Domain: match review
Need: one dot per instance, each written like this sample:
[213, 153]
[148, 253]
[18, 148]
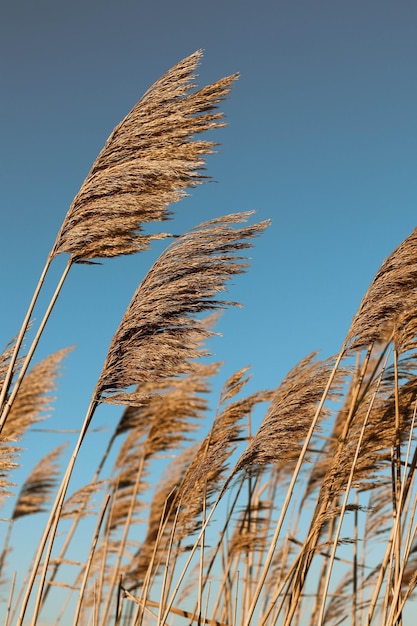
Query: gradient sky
[322, 139]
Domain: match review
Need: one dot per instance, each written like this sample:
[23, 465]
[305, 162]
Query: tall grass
[308, 519]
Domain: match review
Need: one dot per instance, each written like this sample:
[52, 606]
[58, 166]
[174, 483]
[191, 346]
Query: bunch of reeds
[295, 505]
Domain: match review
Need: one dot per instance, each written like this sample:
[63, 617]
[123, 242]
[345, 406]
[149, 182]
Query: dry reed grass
[146, 164]
[308, 518]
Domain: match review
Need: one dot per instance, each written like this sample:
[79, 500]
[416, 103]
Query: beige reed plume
[390, 296]
[32, 405]
[205, 473]
[35, 492]
[38, 486]
[146, 164]
[33, 400]
[160, 333]
[288, 419]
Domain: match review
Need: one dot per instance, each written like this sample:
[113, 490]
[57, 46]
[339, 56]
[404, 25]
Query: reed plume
[146, 164]
[31, 406]
[289, 416]
[33, 400]
[38, 486]
[160, 333]
[79, 502]
[150, 555]
[8, 462]
[5, 359]
[205, 472]
[390, 296]
[35, 492]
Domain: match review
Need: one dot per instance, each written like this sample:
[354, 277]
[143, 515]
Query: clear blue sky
[322, 138]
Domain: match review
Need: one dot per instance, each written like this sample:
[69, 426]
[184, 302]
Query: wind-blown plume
[35, 492]
[37, 488]
[33, 401]
[31, 404]
[5, 358]
[288, 419]
[160, 333]
[207, 468]
[391, 294]
[146, 164]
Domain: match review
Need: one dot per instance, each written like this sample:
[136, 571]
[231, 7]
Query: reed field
[288, 506]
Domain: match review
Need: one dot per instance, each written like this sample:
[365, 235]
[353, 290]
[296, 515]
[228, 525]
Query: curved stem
[28, 358]
[345, 502]
[90, 560]
[123, 540]
[290, 491]
[19, 339]
[51, 527]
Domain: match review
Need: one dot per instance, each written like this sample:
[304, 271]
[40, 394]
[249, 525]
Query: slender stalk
[397, 474]
[119, 603]
[123, 541]
[175, 611]
[234, 621]
[322, 504]
[9, 601]
[290, 491]
[28, 357]
[321, 578]
[355, 562]
[406, 486]
[147, 581]
[201, 568]
[69, 535]
[52, 524]
[192, 552]
[344, 505]
[397, 602]
[19, 339]
[407, 593]
[90, 560]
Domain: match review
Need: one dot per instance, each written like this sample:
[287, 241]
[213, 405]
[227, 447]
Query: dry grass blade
[160, 333]
[146, 164]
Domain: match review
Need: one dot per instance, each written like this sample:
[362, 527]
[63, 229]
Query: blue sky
[322, 139]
